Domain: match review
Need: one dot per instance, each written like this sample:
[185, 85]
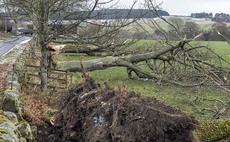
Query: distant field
[204, 24]
[176, 96]
[220, 47]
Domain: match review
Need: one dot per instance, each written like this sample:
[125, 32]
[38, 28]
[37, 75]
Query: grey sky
[186, 7]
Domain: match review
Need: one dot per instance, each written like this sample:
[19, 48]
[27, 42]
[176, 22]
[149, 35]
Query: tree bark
[110, 61]
[43, 67]
[42, 34]
[77, 49]
[93, 51]
[98, 51]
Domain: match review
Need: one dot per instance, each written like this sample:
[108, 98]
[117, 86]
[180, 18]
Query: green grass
[222, 48]
[178, 97]
[197, 101]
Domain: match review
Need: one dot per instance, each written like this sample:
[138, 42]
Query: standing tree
[40, 12]
[48, 17]
[175, 30]
[219, 27]
[191, 29]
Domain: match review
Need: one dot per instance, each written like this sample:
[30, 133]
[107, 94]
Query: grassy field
[198, 101]
[148, 24]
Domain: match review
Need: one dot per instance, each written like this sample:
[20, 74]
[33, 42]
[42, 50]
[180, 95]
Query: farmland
[204, 24]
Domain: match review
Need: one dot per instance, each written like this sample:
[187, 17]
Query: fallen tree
[93, 51]
[96, 51]
[114, 47]
[181, 64]
[89, 112]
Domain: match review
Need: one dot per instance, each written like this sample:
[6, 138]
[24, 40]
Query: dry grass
[36, 103]
[34, 107]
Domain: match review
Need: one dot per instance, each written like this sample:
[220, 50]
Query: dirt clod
[91, 113]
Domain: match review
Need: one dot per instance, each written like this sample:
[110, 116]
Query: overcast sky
[186, 7]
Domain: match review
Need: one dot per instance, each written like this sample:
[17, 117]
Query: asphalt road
[7, 45]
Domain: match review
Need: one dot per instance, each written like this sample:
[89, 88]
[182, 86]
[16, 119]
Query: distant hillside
[203, 23]
[218, 17]
[126, 14]
[117, 14]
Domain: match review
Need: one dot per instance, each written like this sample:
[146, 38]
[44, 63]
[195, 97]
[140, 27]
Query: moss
[48, 114]
[3, 131]
[11, 116]
[23, 139]
[17, 132]
[34, 131]
[1, 140]
[2, 118]
[24, 123]
[10, 104]
[19, 115]
[210, 130]
[23, 126]
[1, 112]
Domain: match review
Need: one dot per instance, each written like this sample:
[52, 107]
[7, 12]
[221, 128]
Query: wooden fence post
[62, 76]
[12, 79]
[66, 78]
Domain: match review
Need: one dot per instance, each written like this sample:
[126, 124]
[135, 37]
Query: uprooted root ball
[90, 113]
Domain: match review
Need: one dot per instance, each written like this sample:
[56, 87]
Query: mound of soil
[90, 113]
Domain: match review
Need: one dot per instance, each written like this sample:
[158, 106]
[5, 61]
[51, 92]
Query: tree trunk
[126, 61]
[78, 49]
[110, 61]
[130, 61]
[43, 38]
[98, 51]
[93, 51]
[43, 66]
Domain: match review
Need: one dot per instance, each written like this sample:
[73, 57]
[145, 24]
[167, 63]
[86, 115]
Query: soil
[91, 113]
